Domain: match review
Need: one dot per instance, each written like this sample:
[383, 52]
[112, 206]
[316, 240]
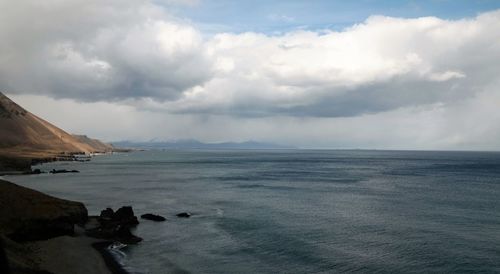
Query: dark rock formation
[115, 226]
[124, 235]
[27, 215]
[115, 233]
[14, 165]
[107, 214]
[184, 215]
[55, 171]
[153, 217]
[125, 216]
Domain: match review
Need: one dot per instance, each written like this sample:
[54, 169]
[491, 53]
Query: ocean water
[297, 211]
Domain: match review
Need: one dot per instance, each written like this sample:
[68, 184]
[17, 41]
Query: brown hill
[96, 144]
[25, 135]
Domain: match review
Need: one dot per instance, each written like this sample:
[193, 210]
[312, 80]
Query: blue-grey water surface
[297, 211]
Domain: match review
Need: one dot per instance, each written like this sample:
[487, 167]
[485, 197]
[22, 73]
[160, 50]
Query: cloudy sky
[313, 74]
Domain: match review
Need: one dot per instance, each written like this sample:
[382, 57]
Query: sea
[296, 211]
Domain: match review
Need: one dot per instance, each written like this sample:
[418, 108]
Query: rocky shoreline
[15, 165]
[43, 234]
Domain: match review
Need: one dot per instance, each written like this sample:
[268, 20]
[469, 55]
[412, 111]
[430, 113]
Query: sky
[312, 74]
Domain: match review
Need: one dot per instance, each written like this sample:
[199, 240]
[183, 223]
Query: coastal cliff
[38, 234]
[26, 139]
[27, 215]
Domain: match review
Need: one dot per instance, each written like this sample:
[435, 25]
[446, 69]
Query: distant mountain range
[194, 144]
[26, 136]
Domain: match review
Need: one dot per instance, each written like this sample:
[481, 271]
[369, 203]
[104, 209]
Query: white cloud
[388, 82]
[382, 64]
[94, 50]
[121, 50]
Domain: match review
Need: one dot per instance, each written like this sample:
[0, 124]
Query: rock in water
[27, 215]
[184, 215]
[125, 216]
[107, 213]
[115, 225]
[56, 171]
[124, 236]
[153, 217]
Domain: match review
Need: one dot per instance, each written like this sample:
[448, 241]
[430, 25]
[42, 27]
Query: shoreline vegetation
[43, 234]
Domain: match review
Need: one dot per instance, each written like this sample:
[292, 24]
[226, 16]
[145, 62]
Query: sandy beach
[70, 255]
[60, 255]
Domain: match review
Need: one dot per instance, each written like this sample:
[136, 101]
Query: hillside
[95, 144]
[25, 135]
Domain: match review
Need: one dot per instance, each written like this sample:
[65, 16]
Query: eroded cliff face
[27, 215]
